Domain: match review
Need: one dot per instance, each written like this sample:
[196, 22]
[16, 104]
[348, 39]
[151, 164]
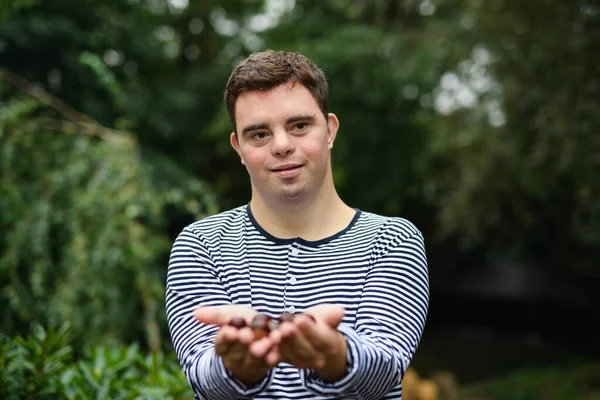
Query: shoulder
[224, 220]
[389, 234]
[218, 225]
[391, 227]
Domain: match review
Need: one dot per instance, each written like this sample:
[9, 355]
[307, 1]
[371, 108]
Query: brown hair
[267, 69]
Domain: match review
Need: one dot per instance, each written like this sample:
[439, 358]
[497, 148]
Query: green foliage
[159, 71]
[29, 367]
[43, 365]
[10, 6]
[551, 383]
[106, 76]
[525, 187]
[90, 200]
[84, 221]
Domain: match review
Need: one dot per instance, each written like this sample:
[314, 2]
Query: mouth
[286, 168]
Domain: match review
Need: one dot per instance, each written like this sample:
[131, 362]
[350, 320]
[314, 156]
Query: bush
[85, 216]
[43, 365]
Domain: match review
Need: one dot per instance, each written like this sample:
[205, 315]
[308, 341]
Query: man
[357, 282]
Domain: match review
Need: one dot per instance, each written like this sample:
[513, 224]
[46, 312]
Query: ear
[236, 146]
[333, 124]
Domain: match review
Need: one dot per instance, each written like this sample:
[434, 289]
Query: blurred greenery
[478, 120]
[84, 220]
[42, 366]
[551, 383]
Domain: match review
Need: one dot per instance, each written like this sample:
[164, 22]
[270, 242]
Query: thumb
[330, 314]
[221, 315]
[210, 315]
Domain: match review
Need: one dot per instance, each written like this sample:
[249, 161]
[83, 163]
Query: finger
[273, 357]
[222, 315]
[285, 330]
[236, 351]
[322, 337]
[330, 314]
[261, 347]
[225, 338]
[295, 348]
[209, 315]
[228, 336]
[239, 355]
[246, 335]
[275, 335]
[292, 338]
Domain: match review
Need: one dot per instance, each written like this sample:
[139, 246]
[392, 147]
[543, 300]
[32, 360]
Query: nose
[283, 143]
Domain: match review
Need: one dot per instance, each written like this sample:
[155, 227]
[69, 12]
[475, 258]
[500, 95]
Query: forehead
[282, 101]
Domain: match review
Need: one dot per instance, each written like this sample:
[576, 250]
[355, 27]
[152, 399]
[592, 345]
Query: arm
[191, 283]
[390, 320]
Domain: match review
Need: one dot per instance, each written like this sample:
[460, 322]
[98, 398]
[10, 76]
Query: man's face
[284, 141]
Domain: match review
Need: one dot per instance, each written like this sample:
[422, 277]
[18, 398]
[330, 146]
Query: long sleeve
[192, 281]
[389, 324]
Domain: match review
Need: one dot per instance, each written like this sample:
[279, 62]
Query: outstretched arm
[207, 353]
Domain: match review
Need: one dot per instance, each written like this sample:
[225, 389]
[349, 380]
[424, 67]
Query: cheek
[317, 150]
[253, 161]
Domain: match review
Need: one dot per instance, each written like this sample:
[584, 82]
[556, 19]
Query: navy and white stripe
[376, 269]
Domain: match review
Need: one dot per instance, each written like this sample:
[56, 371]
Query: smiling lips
[286, 167]
[287, 170]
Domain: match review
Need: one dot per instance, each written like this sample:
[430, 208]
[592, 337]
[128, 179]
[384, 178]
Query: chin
[291, 195]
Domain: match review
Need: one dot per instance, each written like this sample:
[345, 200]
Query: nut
[261, 325]
[238, 322]
[286, 317]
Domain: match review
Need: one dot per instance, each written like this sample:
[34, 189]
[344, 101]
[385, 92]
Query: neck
[310, 219]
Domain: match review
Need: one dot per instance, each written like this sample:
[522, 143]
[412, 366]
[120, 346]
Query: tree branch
[88, 124]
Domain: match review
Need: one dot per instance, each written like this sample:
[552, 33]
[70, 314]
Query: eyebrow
[254, 127]
[291, 120]
[309, 118]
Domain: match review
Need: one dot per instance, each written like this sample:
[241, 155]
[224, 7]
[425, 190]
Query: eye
[301, 126]
[258, 135]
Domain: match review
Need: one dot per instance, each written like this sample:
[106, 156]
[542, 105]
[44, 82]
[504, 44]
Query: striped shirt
[375, 268]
